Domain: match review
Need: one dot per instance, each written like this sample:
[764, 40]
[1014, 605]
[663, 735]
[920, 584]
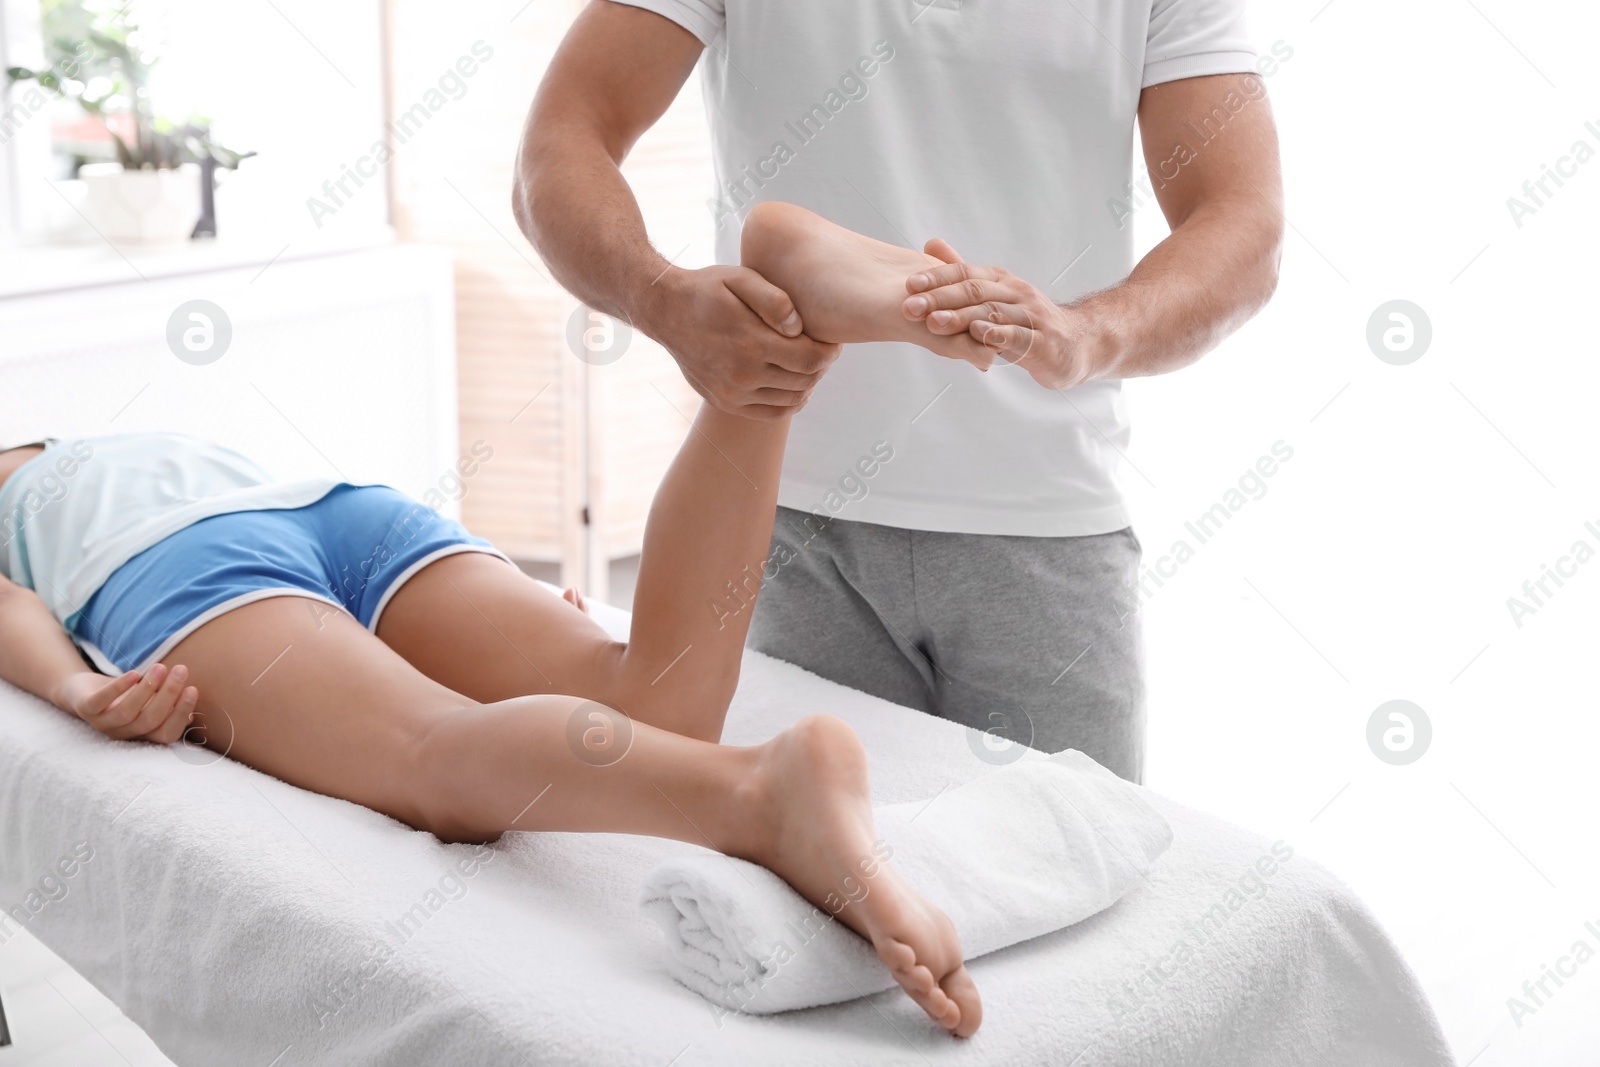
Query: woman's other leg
[309, 696]
[315, 700]
[471, 624]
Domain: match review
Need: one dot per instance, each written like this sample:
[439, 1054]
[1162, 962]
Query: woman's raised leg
[469, 623]
[315, 700]
[474, 625]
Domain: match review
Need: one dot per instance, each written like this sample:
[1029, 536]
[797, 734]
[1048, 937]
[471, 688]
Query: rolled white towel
[1017, 853]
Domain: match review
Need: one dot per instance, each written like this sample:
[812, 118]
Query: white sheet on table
[240, 920]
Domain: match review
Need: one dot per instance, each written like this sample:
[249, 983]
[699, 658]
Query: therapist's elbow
[544, 159]
[1273, 234]
[538, 161]
[1258, 282]
[1269, 271]
[524, 184]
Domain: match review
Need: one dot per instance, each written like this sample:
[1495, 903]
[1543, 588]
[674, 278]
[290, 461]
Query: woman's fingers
[156, 706]
[178, 721]
[115, 719]
[144, 707]
[108, 694]
[159, 708]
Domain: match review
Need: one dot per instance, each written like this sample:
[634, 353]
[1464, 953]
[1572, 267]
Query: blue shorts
[352, 549]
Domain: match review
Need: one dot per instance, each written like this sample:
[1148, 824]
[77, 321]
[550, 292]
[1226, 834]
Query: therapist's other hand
[738, 340]
[157, 706]
[1011, 317]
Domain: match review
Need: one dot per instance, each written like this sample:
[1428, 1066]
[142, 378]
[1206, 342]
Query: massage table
[240, 920]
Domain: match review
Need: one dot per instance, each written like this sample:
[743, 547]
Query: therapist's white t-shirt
[1005, 127]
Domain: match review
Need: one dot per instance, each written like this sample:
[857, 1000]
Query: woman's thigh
[306, 694]
[482, 628]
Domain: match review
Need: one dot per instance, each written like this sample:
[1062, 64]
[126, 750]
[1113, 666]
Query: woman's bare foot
[817, 834]
[848, 288]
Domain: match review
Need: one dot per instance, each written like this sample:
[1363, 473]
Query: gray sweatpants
[1033, 640]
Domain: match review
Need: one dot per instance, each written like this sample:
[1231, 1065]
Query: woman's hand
[156, 707]
[37, 655]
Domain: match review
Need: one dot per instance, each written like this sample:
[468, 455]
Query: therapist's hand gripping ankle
[737, 338]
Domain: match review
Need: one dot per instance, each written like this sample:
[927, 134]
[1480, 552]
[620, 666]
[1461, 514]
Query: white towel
[1017, 853]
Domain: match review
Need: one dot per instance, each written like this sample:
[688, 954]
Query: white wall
[1419, 498]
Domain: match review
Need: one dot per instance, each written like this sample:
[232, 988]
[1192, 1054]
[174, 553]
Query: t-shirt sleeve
[703, 18]
[1194, 38]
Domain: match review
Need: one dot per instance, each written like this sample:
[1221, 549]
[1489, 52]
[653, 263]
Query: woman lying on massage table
[350, 641]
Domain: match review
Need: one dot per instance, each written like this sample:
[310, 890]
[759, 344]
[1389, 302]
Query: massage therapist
[951, 540]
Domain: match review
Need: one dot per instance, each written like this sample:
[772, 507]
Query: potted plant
[147, 185]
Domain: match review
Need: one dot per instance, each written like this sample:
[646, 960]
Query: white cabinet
[340, 363]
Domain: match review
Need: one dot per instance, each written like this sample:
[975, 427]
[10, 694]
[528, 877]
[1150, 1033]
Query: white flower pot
[141, 206]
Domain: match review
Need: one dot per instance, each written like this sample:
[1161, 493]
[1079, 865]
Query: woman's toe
[896, 955]
[963, 991]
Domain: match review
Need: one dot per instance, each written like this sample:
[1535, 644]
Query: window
[299, 82]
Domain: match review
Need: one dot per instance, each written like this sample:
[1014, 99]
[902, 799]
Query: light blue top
[72, 515]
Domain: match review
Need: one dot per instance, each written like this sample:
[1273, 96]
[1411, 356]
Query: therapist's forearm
[735, 335]
[1191, 291]
[575, 207]
[613, 76]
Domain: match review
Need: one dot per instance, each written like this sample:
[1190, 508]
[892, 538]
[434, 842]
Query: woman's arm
[37, 655]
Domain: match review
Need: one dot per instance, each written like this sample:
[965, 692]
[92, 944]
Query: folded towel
[1016, 853]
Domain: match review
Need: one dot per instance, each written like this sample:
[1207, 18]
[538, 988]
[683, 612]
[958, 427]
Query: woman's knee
[430, 793]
